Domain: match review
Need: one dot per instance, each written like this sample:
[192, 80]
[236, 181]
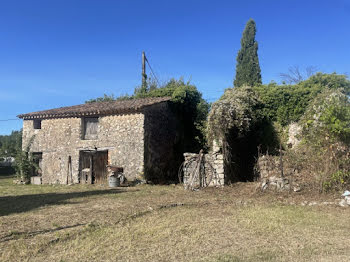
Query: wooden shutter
[91, 127]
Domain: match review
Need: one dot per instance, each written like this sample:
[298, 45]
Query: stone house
[69, 142]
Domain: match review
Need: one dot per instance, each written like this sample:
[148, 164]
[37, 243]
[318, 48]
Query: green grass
[165, 223]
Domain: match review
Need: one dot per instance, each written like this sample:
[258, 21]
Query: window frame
[37, 124]
[84, 126]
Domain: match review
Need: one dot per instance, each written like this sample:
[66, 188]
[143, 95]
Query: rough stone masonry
[130, 131]
[201, 170]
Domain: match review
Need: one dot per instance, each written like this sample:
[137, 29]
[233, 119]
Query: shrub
[287, 103]
[238, 108]
[237, 121]
[25, 164]
[326, 134]
[327, 119]
[337, 181]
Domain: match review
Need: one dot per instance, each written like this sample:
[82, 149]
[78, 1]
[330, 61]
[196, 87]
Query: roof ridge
[96, 108]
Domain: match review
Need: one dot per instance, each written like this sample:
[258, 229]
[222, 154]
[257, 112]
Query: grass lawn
[167, 223]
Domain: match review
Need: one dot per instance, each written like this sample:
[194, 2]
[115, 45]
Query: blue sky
[57, 53]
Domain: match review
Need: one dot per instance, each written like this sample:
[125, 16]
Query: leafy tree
[108, 98]
[10, 144]
[236, 121]
[331, 81]
[147, 86]
[248, 69]
[328, 117]
[326, 139]
[25, 163]
[287, 103]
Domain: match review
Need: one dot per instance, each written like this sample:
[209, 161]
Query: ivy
[288, 103]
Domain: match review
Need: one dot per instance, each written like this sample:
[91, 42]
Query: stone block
[220, 157]
[220, 170]
[35, 180]
[216, 147]
[190, 155]
[264, 173]
[219, 161]
[221, 175]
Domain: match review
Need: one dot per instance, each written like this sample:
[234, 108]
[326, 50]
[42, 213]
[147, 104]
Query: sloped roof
[97, 108]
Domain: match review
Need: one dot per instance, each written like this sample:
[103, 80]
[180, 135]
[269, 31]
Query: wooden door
[84, 166]
[100, 161]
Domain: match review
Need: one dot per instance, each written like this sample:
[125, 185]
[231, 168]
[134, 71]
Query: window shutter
[91, 127]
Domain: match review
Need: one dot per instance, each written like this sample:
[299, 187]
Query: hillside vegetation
[250, 121]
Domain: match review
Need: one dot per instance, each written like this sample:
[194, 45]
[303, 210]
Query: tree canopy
[247, 68]
[328, 116]
[287, 103]
[10, 144]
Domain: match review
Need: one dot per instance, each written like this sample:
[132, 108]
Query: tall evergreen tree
[248, 69]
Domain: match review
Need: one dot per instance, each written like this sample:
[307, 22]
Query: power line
[152, 72]
[3, 120]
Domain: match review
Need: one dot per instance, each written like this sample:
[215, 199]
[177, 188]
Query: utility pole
[144, 76]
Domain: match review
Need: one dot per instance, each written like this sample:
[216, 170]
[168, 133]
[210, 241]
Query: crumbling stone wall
[294, 133]
[212, 169]
[121, 135]
[275, 175]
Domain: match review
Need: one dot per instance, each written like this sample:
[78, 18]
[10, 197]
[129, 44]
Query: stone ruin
[202, 170]
[274, 175]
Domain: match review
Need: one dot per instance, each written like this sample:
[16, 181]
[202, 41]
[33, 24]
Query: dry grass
[166, 223]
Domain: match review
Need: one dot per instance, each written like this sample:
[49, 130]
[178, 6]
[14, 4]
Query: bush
[327, 119]
[25, 164]
[237, 121]
[287, 103]
[337, 181]
[238, 109]
[326, 139]
[9, 144]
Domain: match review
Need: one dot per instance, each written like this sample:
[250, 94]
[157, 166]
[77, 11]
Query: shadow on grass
[24, 203]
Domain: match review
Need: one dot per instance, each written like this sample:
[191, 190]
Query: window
[90, 128]
[37, 124]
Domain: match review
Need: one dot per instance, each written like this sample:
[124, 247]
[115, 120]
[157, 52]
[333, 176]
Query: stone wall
[270, 172]
[212, 169]
[58, 139]
[162, 160]
[294, 135]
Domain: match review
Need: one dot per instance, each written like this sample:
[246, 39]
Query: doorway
[92, 166]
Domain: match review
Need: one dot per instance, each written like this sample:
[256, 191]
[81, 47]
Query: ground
[167, 223]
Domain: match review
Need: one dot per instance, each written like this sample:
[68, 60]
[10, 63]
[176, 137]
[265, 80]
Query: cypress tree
[248, 69]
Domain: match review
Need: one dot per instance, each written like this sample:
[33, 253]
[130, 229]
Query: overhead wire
[2, 120]
[211, 99]
[154, 75]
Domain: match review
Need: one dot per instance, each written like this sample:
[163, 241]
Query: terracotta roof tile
[97, 108]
